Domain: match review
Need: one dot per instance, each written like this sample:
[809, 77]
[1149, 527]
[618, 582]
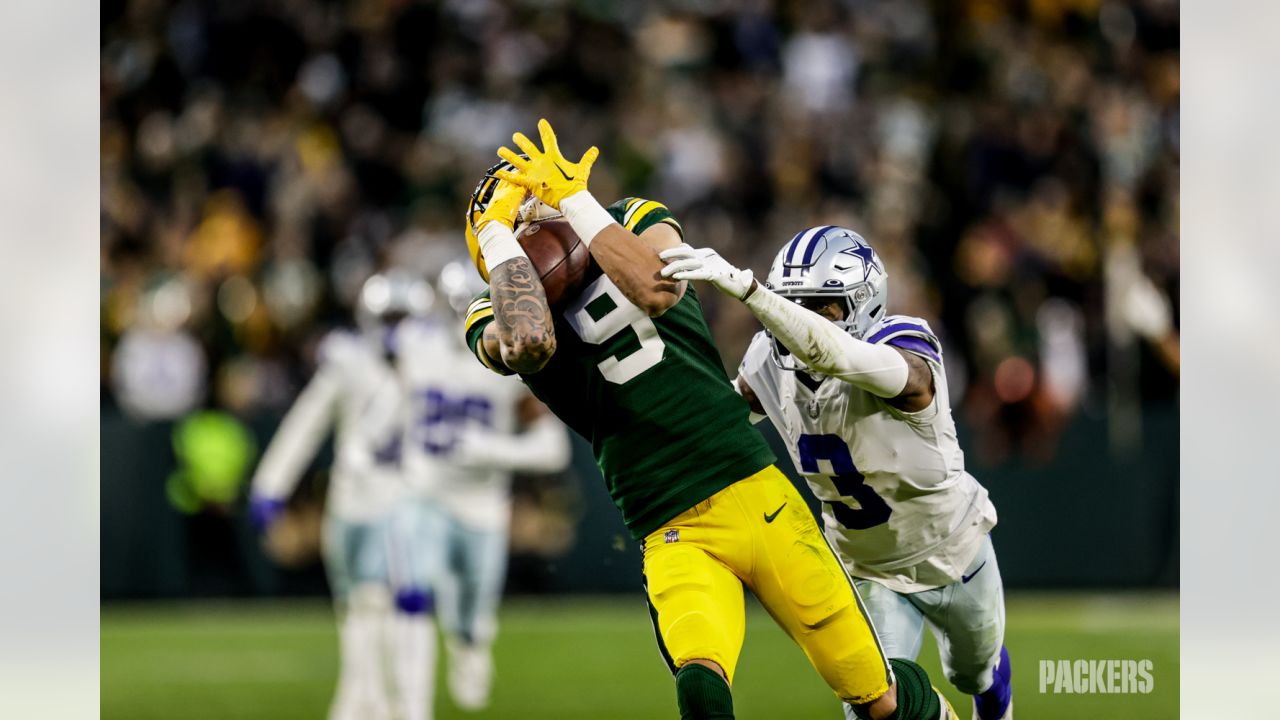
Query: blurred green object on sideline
[571, 658]
[215, 452]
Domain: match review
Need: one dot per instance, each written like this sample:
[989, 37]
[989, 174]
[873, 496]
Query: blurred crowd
[1014, 162]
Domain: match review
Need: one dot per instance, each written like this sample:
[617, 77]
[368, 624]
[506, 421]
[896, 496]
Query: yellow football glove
[546, 173]
[494, 201]
[504, 206]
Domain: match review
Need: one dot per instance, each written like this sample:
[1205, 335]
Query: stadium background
[1015, 163]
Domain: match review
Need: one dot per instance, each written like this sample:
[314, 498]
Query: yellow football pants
[758, 532]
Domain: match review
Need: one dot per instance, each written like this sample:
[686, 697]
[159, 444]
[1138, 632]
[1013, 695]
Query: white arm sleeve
[543, 447]
[825, 348]
[298, 438]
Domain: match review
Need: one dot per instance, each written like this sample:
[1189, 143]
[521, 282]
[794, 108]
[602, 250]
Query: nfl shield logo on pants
[672, 536]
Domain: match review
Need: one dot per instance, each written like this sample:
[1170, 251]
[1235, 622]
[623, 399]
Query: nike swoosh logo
[769, 518]
[566, 175]
[967, 578]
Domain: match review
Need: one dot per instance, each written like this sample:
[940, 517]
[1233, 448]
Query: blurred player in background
[355, 386]
[861, 397]
[464, 436]
[630, 365]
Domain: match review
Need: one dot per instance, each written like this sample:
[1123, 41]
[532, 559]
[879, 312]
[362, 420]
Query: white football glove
[690, 263]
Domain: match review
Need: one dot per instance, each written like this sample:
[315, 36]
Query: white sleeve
[825, 348]
[298, 438]
[543, 447]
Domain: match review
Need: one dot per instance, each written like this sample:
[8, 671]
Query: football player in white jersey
[467, 432]
[861, 398]
[356, 387]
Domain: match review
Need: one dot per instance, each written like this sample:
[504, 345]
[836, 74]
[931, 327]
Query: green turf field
[587, 658]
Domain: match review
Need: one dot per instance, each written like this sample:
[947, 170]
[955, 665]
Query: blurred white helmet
[391, 296]
[458, 285]
[832, 263]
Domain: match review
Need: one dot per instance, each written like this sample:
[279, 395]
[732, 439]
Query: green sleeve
[639, 214]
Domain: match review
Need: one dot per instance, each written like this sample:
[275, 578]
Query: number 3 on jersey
[600, 313]
[848, 481]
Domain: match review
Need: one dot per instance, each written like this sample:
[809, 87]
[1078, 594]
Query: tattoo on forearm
[520, 310]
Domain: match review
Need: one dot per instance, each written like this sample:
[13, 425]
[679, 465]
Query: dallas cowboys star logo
[868, 257]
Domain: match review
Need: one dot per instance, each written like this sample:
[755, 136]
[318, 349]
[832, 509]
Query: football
[559, 256]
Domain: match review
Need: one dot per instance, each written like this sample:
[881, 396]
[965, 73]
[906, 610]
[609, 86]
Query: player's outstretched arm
[522, 333]
[882, 370]
[522, 319]
[631, 261]
[822, 346]
[293, 446]
[542, 446]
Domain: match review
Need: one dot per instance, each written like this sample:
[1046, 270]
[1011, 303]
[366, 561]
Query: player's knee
[823, 591]
[693, 636]
[415, 601]
[971, 675]
[971, 682]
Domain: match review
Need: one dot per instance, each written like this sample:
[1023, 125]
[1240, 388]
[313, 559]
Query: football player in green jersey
[629, 364]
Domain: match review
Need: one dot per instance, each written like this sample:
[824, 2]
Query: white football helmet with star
[837, 263]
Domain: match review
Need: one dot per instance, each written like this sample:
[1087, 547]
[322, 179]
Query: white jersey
[357, 389]
[897, 504]
[449, 394]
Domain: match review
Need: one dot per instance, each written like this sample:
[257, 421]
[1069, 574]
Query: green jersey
[665, 424]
